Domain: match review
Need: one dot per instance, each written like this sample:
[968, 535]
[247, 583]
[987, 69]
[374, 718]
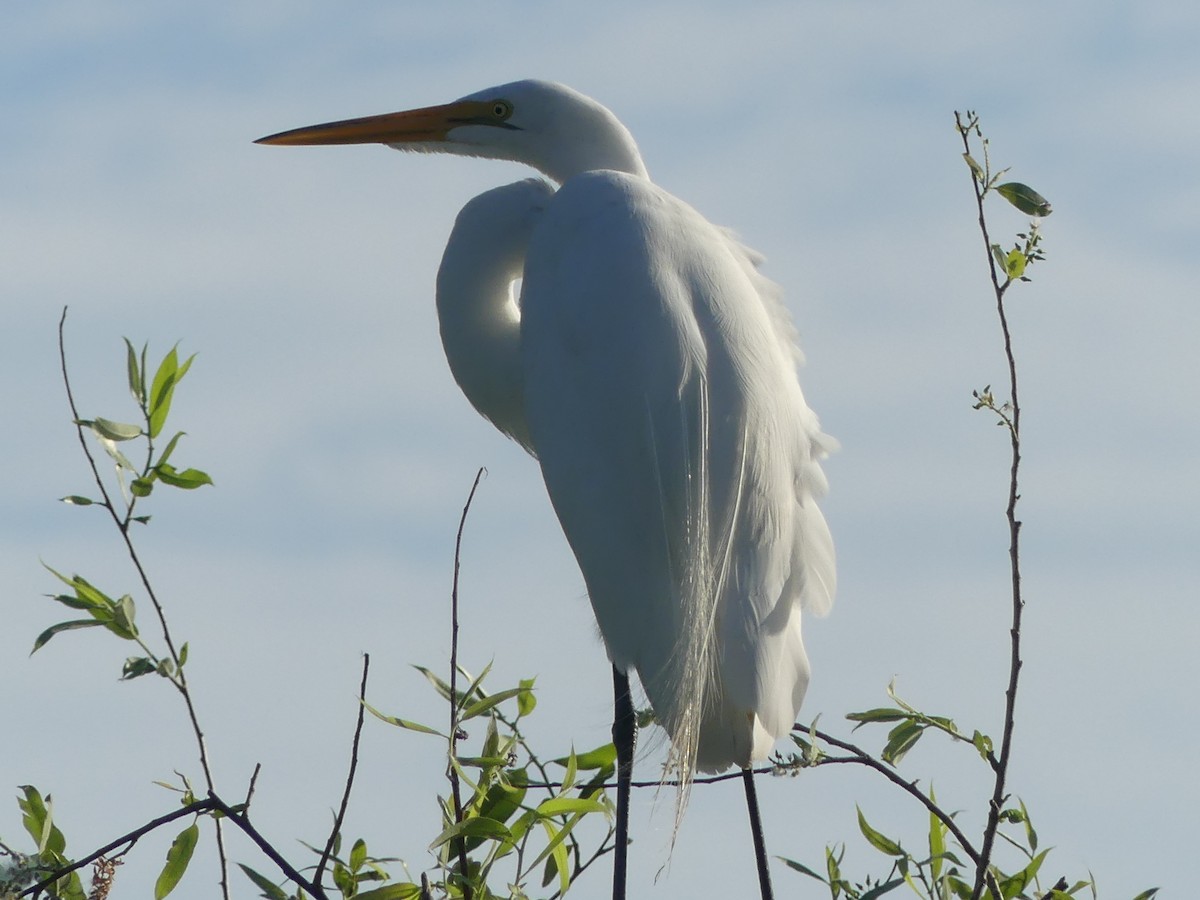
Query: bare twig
[242, 821]
[341, 813]
[178, 678]
[250, 787]
[460, 843]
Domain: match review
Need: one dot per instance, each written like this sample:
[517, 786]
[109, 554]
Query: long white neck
[478, 316]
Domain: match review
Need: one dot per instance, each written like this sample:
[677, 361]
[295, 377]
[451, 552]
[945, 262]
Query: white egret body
[651, 369]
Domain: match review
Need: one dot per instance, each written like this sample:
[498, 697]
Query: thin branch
[129, 839]
[250, 787]
[178, 679]
[460, 843]
[996, 804]
[341, 813]
[242, 821]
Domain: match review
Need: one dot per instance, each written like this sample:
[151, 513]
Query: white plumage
[651, 369]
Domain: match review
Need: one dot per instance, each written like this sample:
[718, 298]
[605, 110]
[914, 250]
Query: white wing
[680, 456]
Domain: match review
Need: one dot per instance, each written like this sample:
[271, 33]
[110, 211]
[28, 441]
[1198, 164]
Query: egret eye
[502, 109]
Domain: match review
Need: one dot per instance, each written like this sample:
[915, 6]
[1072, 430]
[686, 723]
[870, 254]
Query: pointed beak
[432, 123]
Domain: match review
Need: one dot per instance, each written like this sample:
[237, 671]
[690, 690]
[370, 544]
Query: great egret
[651, 369]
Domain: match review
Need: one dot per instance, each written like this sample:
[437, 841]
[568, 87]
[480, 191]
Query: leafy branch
[1013, 265]
[937, 871]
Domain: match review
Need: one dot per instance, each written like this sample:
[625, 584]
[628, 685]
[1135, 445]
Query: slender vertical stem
[460, 844]
[756, 830]
[341, 813]
[624, 732]
[1013, 421]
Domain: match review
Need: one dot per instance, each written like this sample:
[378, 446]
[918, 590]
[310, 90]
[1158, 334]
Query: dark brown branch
[126, 840]
[861, 757]
[341, 813]
[460, 844]
[242, 821]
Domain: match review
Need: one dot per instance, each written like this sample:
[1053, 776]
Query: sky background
[342, 452]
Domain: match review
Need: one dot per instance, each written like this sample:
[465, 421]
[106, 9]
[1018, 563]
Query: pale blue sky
[320, 403]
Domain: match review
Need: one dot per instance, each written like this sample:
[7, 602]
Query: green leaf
[439, 685]
[137, 666]
[999, 255]
[560, 806]
[400, 891]
[76, 602]
[602, 757]
[502, 801]
[188, 479]
[551, 869]
[568, 779]
[983, 744]
[141, 487]
[800, 867]
[1015, 884]
[134, 372]
[1030, 834]
[558, 856]
[269, 889]
[38, 819]
[44, 637]
[880, 842]
[490, 702]
[161, 390]
[1014, 264]
[960, 888]
[885, 888]
[76, 500]
[115, 431]
[344, 881]
[169, 374]
[170, 448]
[900, 740]
[976, 169]
[93, 596]
[526, 700]
[937, 841]
[358, 855]
[557, 836]
[402, 723]
[125, 614]
[483, 762]
[178, 858]
[1024, 198]
[478, 826]
[833, 864]
[183, 654]
[881, 714]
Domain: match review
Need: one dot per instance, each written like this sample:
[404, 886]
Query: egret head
[548, 126]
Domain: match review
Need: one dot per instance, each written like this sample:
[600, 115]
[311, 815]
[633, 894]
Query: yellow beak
[432, 123]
